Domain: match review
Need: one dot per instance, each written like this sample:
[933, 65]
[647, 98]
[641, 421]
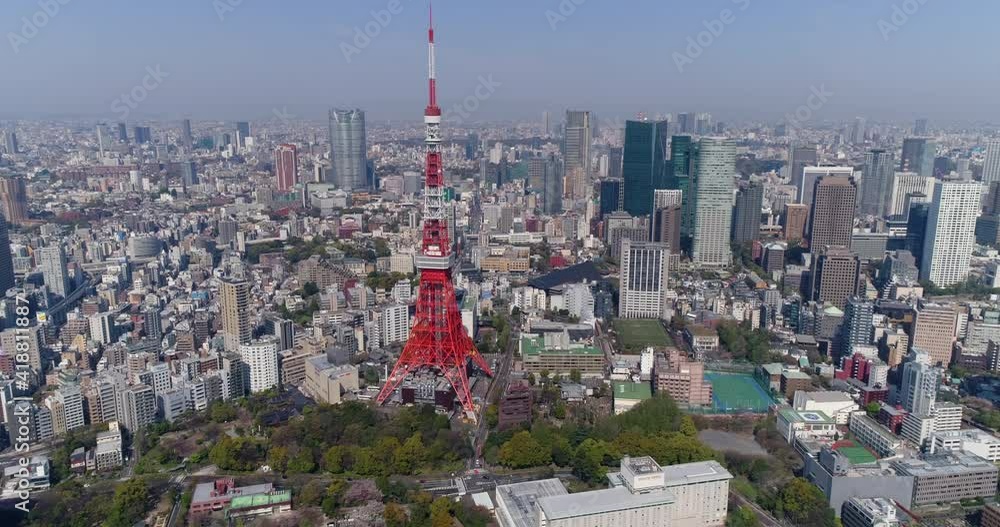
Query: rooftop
[806, 416]
[942, 464]
[531, 345]
[632, 390]
[829, 396]
[252, 501]
[519, 499]
[600, 501]
[691, 473]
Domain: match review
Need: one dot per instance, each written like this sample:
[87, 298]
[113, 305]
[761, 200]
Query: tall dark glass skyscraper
[682, 167]
[611, 196]
[746, 217]
[348, 150]
[918, 156]
[644, 164]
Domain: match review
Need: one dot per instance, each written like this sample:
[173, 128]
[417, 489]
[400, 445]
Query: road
[483, 481]
[178, 482]
[765, 518]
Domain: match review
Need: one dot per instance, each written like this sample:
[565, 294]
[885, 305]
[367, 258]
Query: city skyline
[64, 69]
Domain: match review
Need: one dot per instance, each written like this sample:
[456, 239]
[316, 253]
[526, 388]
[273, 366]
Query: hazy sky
[616, 57]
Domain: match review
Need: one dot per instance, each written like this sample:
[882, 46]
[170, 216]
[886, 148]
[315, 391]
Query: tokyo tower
[437, 339]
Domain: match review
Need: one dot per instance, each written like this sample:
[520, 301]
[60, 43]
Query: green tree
[310, 288]
[441, 513]
[524, 451]
[333, 459]
[334, 497]
[302, 462]
[575, 375]
[872, 408]
[129, 504]
[743, 516]
[411, 455]
[277, 458]
[588, 460]
[687, 426]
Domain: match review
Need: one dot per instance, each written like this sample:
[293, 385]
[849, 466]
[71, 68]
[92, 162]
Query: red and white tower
[437, 339]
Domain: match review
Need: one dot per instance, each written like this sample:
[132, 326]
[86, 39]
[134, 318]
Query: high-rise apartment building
[858, 328]
[919, 384]
[713, 190]
[918, 156]
[991, 164]
[577, 140]
[644, 274]
[950, 235]
[832, 220]
[348, 150]
[835, 275]
[395, 324]
[52, 262]
[643, 165]
[934, 331]
[746, 215]
[286, 167]
[262, 358]
[14, 199]
[667, 227]
[876, 183]
[235, 304]
[138, 407]
[6, 258]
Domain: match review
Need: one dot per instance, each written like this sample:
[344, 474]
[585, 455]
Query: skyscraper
[615, 155]
[933, 331]
[122, 132]
[746, 216]
[906, 188]
[235, 303]
[348, 149]
[667, 227]
[554, 177]
[471, 146]
[800, 157]
[242, 132]
[795, 220]
[713, 191]
[858, 131]
[286, 166]
[10, 142]
[835, 275]
[643, 164]
[811, 174]
[52, 262]
[14, 199]
[6, 259]
[187, 140]
[142, 135]
[644, 276]
[920, 127]
[683, 161]
[576, 153]
[832, 218]
[991, 164]
[876, 183]
[611, 196]
[951, 226]
[916, 229]
[918, 156]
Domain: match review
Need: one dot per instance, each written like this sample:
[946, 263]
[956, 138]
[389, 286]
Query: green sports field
[734, 392]
[634, 335]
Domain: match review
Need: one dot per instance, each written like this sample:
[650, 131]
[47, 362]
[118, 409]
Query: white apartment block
[262, 358]
[644, 273]
[837, 405]
[947, 417]
[395, 324]
[950, 235]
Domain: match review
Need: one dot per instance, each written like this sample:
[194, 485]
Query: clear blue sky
[612, 56]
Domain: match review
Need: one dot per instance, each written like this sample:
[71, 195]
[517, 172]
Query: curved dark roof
[573, 274]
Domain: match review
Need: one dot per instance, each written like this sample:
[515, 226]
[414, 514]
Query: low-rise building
[972, 441]
[837, 405]
[949, 477]
[869, 512]
[217, 495]
[702, 340]
[515, 406]
[793, 424]
[327, 382]
[562, 360]
[108, 452]
[917, 428]
[682, 379]
[628, 394]
[793, 381]
[873, 435]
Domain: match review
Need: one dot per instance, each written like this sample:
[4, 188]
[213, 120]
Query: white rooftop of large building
[518, 500]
